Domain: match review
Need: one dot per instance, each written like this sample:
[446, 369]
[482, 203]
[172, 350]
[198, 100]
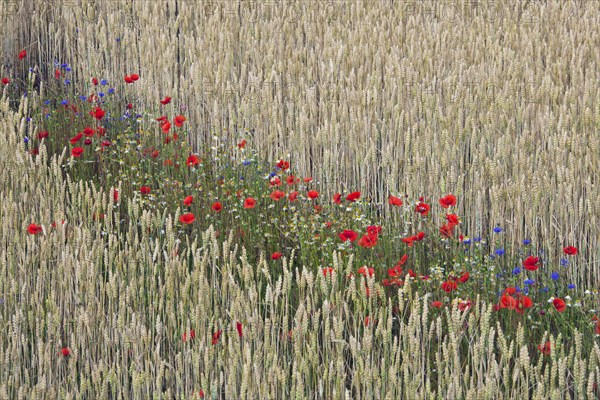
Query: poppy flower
[276, 255]
[129, 106]
[313, 194]
[94, 81]
[293, 196]
[395, 201]
[97, 113]
[531, 263]
[395, 272]
[165, 101]
[353, 196]
[77, 152]
[420, 236]
[449, 286]
[570, 250]
[242, 144]
[188, 336]
[249, 202]
[187, 218]
[217, 207]
[364, 270]
[446, 230]
[128, 79]
[57, 73]
[507, 301]
[216, 336]
[452, 219]
[291, 179]
[374, 229]
[65, 352]
[238, 327]
[545, 348]
[409, 241]
[436, 304]
[192, 160]
[464, 305]
[348, 234]
[5, 81]
[201, 394]
[277, 195]
[42, 135]
[559, 304]
[145, 190]
[34, 229]
[283, 165]
[422, 208]
[166, 127]
[76, 138]
[88, 132]
[448, 200]
[188, 200]
[179, 120]
[101, 131]
[464, 277]
[337, 198]
[115, 195]
[308, 179]
[275, 181]
[402, 260]
[327, 270]
[368, 241]
[22, 54]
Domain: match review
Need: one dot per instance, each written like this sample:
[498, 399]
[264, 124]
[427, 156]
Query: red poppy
[464, 305]
[374, 229]
[77, 152]
[88, 132]
[291, 179]
[394, 272]
[165, 101]
[448, 200]
[242, 144]
[422, 208]
[276, 255]
[449, 286]
[94, 81]
[249, 202]
[353, 196]
[293, 196]
[101, 131]
[187, 218]
[188, 200]
[135, 77]
[559, 304]
[327, 270]
[337, 198]
[238, 327]
[179, 120]
[531, 263]
[128, 79]
[420, 236]
[452, 219]
[308, 179]
[42, 135]
[166, 127]
[570, 250]
[277, 195]
[65, 352]
[545, 348]
[313, 194]
[145, 190]
[368, 240]
[76, 138]
[507, 301]
[526, 301]
[115, 195]
[57, 73]
[5, 81]
[364, 270]
[129, 106]
[34, 229]
[402, 260]
[188, 336]
[409, 240]
[201, 394]
[283, 165]
[87, 141]
[192, 160]
[22, 54]
[275, 181]
[446, 230]
[217, 207]
[436, 304]
[216, 336]
[97, 113]
[162, 119]
[464, 277]
[348, 235]
[395, 201]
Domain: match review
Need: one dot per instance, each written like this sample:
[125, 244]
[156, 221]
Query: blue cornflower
[68, 69]
[272, 174]
[28, 119]
[46, 102]
[467, 241]
[247, 162]
[564, 262]
[544, 289]
[82, 98]
[518, 289]
[241, 178]
[571, 286]
[67, 82]
[516, 271]
[64, 65]
[26, 140]
[499, 252]
[555, 276]
[497, 229]
[529, 281]
[47, 116]
[103, 82]
[118, 39]
[111, 90]
[64, 102]
[525, 290]
[477, 239]
[526, 242]
[101, 94]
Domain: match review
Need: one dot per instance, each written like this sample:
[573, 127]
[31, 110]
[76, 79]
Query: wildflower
[526, 242]
[145, 190]
[559, 304]
[42, 135]
[179, 120]
[364, 270]
[446, 230]
[275, 181]
[422, 208]
[111, 90]
[436, 304]
[128, 79]
[192, 160]
[77, 152]
[65, 352]
[308, 179]
[187, 218]
[217, 207]
[165, 101]
[88, 132]
[216, 336]
[94, 80]
[242, 144]
[571, 286]
[373, 230]
[104, 82]
[529, 282]
[5, 81]
[516, 271]
[395, 201]
[201, 394]
[188, 336]
[276, 255]
[188, 200]
[238, 327]
[34, 229]
[293, 196]
[291, 179]
[353, 196]
[507, 301]
[368, 240]
[337, 198]
[570, 250]
[283, 165]
[22, 54]
[497, 229]
[277, 195]
[545, 348]
[499, 252]
[554, 276]
[249, 202]
[531, 263]
[327, 270]
[448, 200]
[564, 262]
[348, 234]
[97, 113]
[313, 194]
[449, 285]
[464, 277]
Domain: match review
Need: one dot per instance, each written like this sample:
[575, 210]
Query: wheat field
[496, 102]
